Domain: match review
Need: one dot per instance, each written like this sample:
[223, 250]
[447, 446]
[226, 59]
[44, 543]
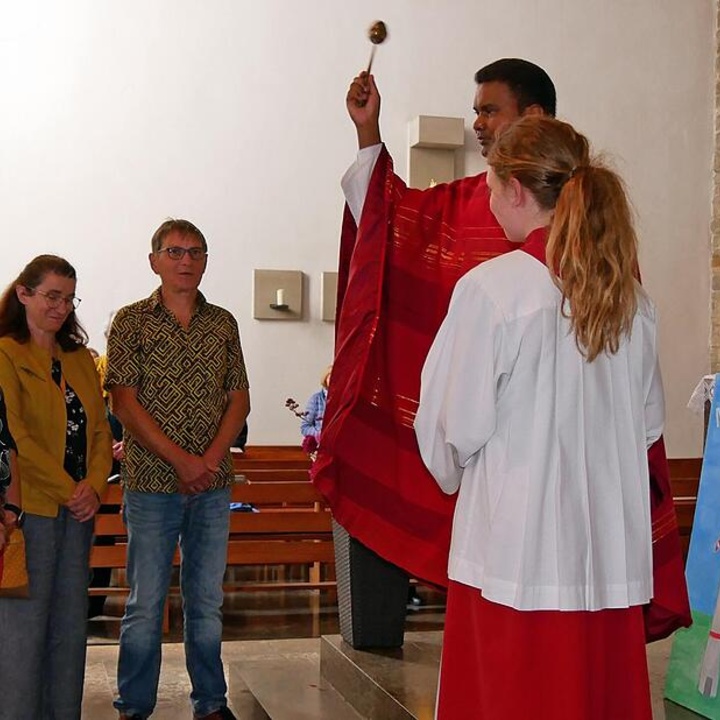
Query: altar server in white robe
[540, 397]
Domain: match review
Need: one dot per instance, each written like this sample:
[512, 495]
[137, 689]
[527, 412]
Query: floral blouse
[6, 445]
[76, 437]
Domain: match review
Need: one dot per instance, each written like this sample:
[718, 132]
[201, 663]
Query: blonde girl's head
[592, 245]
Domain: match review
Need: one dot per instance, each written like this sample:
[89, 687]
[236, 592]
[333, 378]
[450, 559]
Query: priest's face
[495, 107]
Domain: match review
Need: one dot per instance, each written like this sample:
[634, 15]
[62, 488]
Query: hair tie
[573, 172]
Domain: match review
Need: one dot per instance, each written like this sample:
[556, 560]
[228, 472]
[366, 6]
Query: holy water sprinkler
[377, 34]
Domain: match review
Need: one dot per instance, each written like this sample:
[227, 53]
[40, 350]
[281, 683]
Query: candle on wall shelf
[277, 295]
[279, 303]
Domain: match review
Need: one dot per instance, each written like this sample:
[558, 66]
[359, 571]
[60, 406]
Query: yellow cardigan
[37, 417]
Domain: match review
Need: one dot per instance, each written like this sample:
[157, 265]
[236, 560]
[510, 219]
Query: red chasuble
[397, 273]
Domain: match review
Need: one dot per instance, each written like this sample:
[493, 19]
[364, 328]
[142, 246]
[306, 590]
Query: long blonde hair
[592, 245]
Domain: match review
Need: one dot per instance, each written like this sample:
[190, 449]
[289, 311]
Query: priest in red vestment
[400, 258]
[402, 252]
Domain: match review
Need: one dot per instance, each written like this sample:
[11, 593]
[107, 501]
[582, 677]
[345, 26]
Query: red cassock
[499, 663]
[397, 272]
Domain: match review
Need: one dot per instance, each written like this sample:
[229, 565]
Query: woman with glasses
[57, 417]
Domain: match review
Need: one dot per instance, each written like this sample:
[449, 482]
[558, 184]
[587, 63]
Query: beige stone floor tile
[284, 674]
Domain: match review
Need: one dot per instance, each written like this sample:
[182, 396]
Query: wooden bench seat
[270, 524]
[273, 475]
[292, 527]
[684, 479]
[271, 457]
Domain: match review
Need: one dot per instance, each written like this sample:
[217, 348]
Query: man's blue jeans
[156, 522]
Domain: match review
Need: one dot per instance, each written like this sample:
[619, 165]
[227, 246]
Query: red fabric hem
[499, 663]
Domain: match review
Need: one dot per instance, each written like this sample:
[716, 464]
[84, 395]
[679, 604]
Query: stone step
[286, 684]
[397, 684]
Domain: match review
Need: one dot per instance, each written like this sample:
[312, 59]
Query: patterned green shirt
[182, 379]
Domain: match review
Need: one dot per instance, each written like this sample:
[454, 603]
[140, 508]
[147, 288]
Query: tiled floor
[272, 659]
[271, 651]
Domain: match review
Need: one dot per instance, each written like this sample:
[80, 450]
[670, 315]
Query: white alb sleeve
[356, 180]
[457, 412]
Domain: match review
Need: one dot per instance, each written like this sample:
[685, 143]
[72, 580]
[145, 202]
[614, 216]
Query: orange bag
[13, 568]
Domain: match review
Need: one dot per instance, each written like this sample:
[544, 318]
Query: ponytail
[592, 253]
[592, 246]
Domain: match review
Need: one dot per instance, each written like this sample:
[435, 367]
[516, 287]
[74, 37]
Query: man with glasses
[179, 386]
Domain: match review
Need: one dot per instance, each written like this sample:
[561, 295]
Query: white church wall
[231, 113]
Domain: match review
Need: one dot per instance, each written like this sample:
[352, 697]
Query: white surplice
[547, 450]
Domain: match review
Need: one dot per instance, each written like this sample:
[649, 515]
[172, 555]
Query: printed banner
[694, 670]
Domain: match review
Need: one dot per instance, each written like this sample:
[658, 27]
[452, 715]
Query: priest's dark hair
[528, 82]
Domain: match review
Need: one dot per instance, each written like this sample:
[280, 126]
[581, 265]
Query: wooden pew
[292, 527]
[265, 475]
[270, 457]
[684, 479]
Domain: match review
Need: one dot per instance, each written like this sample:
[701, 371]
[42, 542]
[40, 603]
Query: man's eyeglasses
[55, 299]
[178, 253]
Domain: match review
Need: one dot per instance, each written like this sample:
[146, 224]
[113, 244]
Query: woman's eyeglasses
[55, 299]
